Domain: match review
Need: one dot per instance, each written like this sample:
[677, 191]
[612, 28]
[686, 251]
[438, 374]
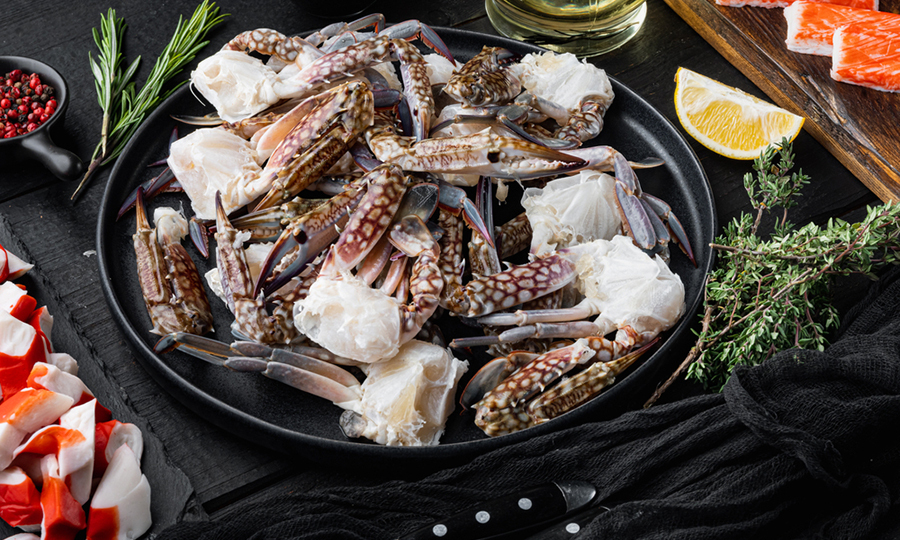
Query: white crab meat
[169, 222]
[349, 318]
[572, 210]
[439, 68]
[627, 286]
[389, 72]
[236, 84]
[210, 160]
[563, 80]
[407, 399]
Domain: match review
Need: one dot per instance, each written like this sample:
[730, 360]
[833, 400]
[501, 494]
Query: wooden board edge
[885, 185]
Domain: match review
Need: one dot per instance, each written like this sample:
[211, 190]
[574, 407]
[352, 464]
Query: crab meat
[349, 318]
[406, 399]
[214, 160]
[439, 69]
[236, 84]
[564, 80]
[628, 287]
[572, 210]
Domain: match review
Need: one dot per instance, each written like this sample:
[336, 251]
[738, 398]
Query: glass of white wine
[583, 27]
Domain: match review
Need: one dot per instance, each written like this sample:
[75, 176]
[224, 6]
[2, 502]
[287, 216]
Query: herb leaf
[769, 295]
[124, 106]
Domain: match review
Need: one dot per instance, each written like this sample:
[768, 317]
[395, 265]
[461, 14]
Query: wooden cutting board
[860, 126]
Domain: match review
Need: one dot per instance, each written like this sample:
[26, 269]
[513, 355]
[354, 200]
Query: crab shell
[572, 210]
[349, 318]
[407, 399]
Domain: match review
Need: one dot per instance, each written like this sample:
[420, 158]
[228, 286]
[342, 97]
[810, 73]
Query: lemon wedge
[728, 121]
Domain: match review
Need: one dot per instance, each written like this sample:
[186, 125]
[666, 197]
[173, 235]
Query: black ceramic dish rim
[61, 89]
[324, 450]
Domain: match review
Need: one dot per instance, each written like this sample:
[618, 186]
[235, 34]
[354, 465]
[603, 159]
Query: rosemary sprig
[124, 107]
[764, 296]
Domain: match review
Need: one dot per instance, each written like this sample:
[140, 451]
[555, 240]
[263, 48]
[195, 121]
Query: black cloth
[803, 446]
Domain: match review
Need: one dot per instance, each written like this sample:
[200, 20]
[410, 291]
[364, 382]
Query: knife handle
[569, 527]
[507, 514]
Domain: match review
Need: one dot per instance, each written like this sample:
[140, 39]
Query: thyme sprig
[768, 295]
[124, 106]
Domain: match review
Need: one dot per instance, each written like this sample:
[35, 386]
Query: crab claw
[412, 28]
[151, 188]
[491, 374]
[206, 349]
[199, 235]
[635, 219]
[299, 378]
[455, 200]
[310, 235]
[664, 211]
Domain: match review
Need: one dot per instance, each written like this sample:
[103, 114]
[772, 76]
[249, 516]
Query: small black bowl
[38, 144]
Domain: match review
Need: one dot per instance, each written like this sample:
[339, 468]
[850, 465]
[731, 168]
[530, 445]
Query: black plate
[276, 416]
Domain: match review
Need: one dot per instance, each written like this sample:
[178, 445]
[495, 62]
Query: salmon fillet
[861, 4]
[811, 25]
[867, 56]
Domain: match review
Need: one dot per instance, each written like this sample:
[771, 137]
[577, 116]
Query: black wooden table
[198, 471]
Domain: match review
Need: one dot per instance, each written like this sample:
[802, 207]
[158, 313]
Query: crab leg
[301, 371]
[331, 126]
[641, 217]
[250, 316]
[500, 411]
[581, 388]
[511, 287]
[573, 329]
[412, 237]
[492, 374]
[483, 153]
[334, 29]
[170, 284]
[152, 187]
[482, 253]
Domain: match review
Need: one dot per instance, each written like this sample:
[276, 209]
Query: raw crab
[630, 293]
[214, 160]
[341, 312]
[362, 273]
[405, 399]
[574, 93]
[170, 283]
[240, 86]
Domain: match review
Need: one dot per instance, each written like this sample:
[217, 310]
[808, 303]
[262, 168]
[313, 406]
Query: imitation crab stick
[20, 502]
[120, 508]
[72, 442]
[109, 437]
[15, 301]
[20, 349]
[811, 26]
[867, 56]
[12, 267]
[862, 4]
[50, 377]
[63, 516]
[26, 412]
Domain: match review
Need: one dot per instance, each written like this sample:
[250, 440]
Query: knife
[518, 512]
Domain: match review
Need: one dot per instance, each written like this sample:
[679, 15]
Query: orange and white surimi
[811, 25]
[868, 56]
